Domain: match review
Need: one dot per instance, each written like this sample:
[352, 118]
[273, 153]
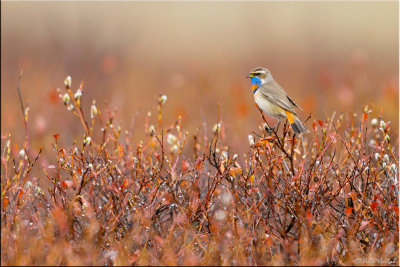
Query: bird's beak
[249, 75]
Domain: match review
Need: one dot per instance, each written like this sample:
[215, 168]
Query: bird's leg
[270, 129]
[276, 124]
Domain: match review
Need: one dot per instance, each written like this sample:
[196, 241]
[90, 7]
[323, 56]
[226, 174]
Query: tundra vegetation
[329, 197]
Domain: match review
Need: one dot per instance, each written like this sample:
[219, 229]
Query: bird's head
[258, 76]
[261, 73]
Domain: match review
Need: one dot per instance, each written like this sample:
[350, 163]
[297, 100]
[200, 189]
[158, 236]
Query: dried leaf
[234, 170]
[362, 225]
[120, 152]
[222, 167]
[251, 179]
[198, 162]
[185, 166]
[125, 183]
[340, 233]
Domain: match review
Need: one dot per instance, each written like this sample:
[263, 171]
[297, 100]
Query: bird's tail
[297, 126]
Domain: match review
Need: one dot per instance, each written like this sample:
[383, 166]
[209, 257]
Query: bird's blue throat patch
[255, 84]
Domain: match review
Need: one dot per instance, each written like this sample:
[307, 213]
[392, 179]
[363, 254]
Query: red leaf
[365, 117]
[67, 184]
[374, 205]
[348, 211]
[309, 217]
[320, 122]
[20, 193]
[5, 202]
[396, 210]
[314, 125]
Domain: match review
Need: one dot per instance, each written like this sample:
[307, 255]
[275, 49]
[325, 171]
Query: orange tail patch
[290, 116]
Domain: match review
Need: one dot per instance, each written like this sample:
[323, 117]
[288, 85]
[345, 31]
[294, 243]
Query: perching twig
[24, 115]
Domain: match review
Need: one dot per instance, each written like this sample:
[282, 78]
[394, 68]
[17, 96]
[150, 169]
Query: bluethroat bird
[273, 100]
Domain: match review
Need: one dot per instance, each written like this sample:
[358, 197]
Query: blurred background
[329, 56]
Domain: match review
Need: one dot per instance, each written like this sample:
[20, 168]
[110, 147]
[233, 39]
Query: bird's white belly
[267, 106]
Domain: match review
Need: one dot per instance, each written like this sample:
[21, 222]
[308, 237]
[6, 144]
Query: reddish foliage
[374, 206]
[108, 201]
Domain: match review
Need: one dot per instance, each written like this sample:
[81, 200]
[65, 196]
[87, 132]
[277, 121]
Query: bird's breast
[268, 107]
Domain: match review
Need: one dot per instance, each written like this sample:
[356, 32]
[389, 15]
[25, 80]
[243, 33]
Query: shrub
[324, 198]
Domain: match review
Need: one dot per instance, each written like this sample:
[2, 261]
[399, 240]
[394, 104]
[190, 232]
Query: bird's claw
[268, 128]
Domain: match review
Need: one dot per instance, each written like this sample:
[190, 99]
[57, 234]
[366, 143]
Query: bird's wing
[273, 92]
